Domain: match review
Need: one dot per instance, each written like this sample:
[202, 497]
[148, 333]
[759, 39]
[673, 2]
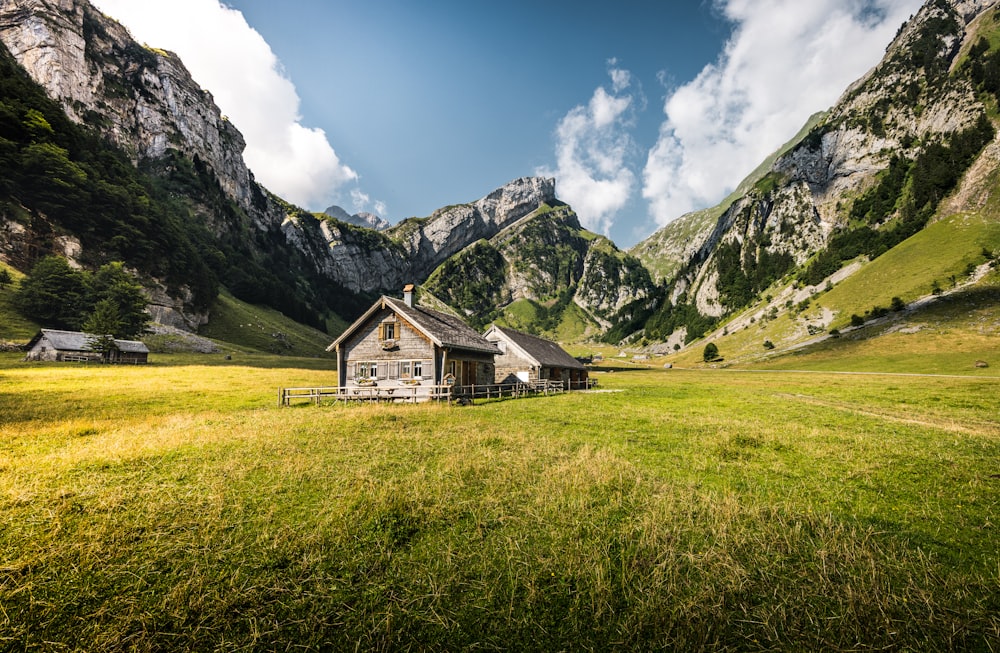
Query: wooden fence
[414, 394]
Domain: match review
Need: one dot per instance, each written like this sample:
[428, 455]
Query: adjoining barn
[529, 359]
[56, 345]
[397, 344]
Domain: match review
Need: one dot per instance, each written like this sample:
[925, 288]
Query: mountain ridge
[870, 172]
[263, 249]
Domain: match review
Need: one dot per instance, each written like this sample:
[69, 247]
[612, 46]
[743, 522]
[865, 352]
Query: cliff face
[144, 100]
[864, 163]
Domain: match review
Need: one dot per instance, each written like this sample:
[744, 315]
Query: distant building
[55, 345]
[529, 359]
[397, 344]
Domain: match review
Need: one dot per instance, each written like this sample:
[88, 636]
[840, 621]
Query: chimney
[408, 294]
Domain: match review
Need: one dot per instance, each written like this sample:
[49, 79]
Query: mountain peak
[363, 219]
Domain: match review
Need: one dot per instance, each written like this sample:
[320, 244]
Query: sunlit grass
[175, 506]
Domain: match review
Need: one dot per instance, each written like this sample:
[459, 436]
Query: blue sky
[641, 110]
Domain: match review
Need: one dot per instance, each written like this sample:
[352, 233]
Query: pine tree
[102, 324]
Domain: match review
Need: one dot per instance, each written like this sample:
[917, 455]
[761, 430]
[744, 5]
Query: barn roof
[444, 330]
[79, 341]
[545, 352]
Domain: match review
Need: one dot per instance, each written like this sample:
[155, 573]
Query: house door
[468, 373]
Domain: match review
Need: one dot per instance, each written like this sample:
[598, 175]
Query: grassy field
[176, 507]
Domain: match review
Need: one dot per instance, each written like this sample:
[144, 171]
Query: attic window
[388, 331]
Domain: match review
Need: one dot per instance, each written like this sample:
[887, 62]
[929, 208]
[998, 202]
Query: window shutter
[394, 370]
[350, 370]
[383, 370]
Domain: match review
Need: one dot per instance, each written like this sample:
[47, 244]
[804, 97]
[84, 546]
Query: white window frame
[366, 370]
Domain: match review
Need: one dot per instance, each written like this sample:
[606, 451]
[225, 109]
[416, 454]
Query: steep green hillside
[941, 274]
[937, 258]
[14, 327]
[263, 329]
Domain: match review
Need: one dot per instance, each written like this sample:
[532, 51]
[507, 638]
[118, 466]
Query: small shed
[528, 359]
[399, 344]
[75, 346]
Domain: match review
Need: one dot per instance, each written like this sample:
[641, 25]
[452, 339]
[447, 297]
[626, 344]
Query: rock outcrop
[366, 261]
[143, 99]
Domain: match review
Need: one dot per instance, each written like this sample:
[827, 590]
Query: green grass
[935, 254]
[262, 329]
[175, 506]
[13, 326]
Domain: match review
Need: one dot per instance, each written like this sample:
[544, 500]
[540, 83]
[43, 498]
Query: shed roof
[545, 352]
[79, 341]
[444, 330]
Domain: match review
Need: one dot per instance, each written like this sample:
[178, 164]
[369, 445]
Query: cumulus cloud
[592, 148]
[235, 63]
[786, 60]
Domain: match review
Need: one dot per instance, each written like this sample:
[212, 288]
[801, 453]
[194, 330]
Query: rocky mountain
[862, 178]
[188, 216]
[363, 219]
[545, 273]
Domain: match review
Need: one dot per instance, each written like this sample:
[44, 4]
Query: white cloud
[359, 200]
[786, 60]
[232, 60]
[592, 148]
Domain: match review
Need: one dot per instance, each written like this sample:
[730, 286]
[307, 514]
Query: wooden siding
[409, 345]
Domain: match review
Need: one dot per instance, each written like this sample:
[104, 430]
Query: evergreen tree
[114, 284]
[102, 324]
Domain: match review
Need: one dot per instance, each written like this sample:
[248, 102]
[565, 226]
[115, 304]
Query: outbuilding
[75, 346]
[530, 359]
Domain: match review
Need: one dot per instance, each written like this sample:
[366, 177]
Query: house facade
[397, 344]
[529, 359]
[56, 345]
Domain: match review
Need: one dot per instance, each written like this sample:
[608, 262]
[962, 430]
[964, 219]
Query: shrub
[711, 352]
[897, 305]
[768, 345]
[857, 320]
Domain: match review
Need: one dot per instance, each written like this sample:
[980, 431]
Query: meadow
[176, 507]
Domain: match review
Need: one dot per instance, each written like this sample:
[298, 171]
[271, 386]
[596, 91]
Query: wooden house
[397, 344]
[530, 359]
[56, 345]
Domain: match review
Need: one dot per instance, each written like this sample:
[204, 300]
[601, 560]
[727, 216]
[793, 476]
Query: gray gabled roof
[544, 352]
[64, 340]
[131, 346]
[79, 341]
[444, 330]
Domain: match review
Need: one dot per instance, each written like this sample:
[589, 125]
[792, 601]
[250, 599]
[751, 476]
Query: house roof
[544, 352]
[79, 341]
[447, 331]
